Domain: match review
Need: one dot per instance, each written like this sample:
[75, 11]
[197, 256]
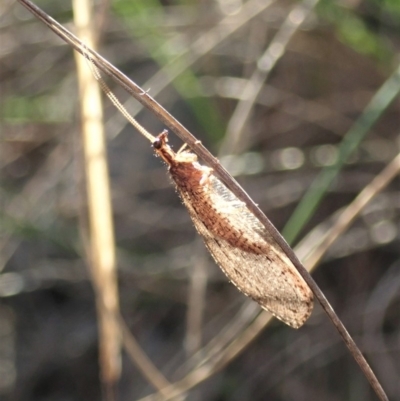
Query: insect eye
[157, 144]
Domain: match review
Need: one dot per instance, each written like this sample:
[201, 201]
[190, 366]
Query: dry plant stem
[196, 300]
[384, 294]
[202, 373]
[349, 214]
[247, 313]
[265, 64]
[223, 175]
[200, 47]
[35, 189]
[219, 345]
[142, 361]
[137, 355]
[101, 232]
[100, 19]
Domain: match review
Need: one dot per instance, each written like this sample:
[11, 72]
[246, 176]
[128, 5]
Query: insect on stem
[238, 242]
[242, 247]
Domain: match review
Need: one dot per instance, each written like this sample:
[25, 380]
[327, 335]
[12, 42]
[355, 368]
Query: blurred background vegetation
[324, 124]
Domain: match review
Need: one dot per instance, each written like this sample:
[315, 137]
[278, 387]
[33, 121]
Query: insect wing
[255, 264]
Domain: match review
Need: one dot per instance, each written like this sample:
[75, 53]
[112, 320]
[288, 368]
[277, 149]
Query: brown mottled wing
[255, 263]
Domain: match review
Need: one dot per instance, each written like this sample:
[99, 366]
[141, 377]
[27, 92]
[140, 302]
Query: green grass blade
[378, 104]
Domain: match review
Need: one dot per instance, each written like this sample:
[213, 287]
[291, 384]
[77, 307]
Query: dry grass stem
[141, 360]
[265, 64]
[203, 372]
[101, 232]
[377, 185]
[188, 57]
[196, 300]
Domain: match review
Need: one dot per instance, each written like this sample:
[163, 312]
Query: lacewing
[241, 246]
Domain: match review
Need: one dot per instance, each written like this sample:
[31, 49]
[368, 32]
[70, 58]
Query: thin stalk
[313, 197]
[101, 245]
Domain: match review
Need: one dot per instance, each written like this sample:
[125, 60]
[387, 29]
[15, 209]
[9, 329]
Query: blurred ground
[329, 71]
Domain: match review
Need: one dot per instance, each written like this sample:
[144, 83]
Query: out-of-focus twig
[141, 360]
[265, 64]
[350, 213]
[101, 232]
[203, 372]
[196, 300]
[379, 103]
[190, 55]
[385, 294]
